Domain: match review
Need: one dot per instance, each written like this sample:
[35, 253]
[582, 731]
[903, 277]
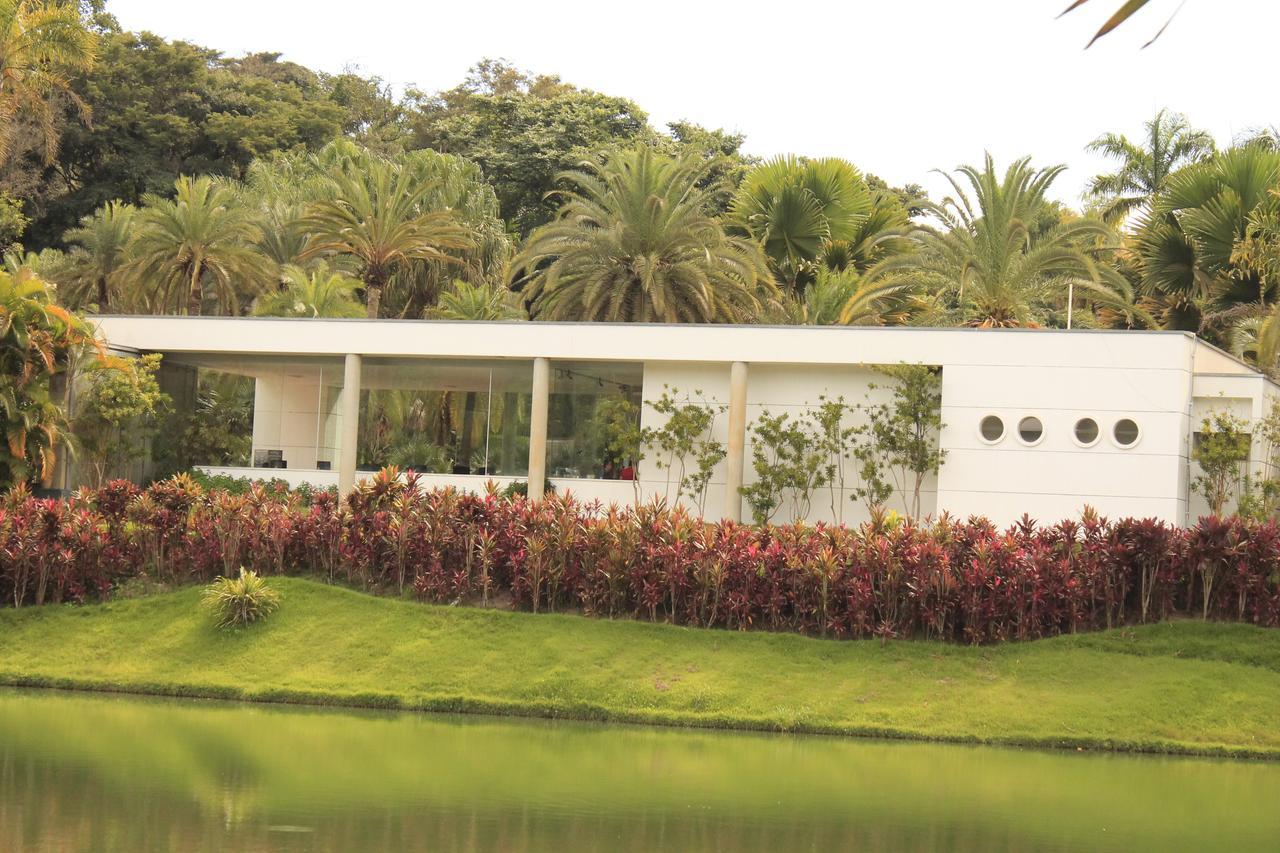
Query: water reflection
[103, 773]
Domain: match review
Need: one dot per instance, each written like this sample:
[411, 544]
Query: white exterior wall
[1163, 381]
[1147, 380]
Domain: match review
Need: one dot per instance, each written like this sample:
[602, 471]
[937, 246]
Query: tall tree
[162, 109]
[1188, 245]
[1168, 143]
[41, 43]
[376, 216]
[634, 240]
[102, 241]
[523, 130]
[196, 242]
[813, 216]
[38, 341]
[998, 261]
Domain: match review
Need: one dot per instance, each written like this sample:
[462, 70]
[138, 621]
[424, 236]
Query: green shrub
[237, 602]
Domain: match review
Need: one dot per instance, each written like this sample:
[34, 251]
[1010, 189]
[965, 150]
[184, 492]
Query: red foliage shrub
[963, 581]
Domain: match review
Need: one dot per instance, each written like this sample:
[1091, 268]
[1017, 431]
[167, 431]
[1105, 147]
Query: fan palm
[796, 209]
[635, 241]
[377, 217]
[199, 240]
[1188, 244]
[1169, 143]
[103, 239]
[40, 44]
[996, 264]
[320, 292]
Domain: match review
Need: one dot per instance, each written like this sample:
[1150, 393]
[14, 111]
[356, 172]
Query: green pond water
[81, 772]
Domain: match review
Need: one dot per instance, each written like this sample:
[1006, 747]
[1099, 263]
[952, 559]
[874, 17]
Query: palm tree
[797, 209]
[103, 238]
[635, 240]
[377, 217]
[196, 241]
[38, 340]
[1189, 245]
[1169, 142]
[1122, 14]
[478, 302]
[1000, 261]
[320, 292]
[40, 43]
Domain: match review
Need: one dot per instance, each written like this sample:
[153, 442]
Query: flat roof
[666, 342]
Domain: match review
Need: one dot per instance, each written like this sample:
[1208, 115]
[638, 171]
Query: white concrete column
[538, 427]
[736, 447]
[349, 442]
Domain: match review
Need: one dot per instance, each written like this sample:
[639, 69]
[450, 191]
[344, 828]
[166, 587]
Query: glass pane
[1030, 430]
[593, 416]
[992, 428]
[1126, 432]
[1086, 430]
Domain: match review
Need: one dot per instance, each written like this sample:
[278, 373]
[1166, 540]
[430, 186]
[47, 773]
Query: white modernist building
[1041, 422]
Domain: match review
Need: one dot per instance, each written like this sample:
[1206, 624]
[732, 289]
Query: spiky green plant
[636, 240]
[240, 601]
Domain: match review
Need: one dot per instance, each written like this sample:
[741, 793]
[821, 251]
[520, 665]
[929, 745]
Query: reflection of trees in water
[116, 774]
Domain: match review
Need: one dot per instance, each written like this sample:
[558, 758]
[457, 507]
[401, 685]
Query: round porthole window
[1087, 432]
[991, 429]
[1126, 432]
[1030, 430]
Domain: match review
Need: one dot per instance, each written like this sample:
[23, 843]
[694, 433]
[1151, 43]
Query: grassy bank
[1178, 687]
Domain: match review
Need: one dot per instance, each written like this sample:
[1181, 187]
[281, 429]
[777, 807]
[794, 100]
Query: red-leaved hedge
[964, 581]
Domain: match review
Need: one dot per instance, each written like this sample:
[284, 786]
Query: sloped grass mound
[1183, 686]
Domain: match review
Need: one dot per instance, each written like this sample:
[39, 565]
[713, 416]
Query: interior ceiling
[430, 374]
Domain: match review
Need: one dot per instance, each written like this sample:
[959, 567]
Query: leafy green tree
[319, 292]
[376, 216]
[634, 241]
[12, 222]
[1168, 143]
[522, 131]
[905, 431]
[1187, 246]
[996, 263]
[41, 43]
[162, 109]
[1222, 451]
[118, 413]
[102, 253]
[38, 342]
[195, 243]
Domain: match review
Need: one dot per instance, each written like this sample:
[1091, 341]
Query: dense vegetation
[145, 175]
[949, 580]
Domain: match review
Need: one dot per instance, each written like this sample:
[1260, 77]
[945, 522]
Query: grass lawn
[1178, 687]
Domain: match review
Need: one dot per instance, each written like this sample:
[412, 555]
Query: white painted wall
[1161, 380]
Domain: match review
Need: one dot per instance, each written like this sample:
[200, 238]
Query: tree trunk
[468, 426]
[103, 295]
[373, 299]
[195, 294]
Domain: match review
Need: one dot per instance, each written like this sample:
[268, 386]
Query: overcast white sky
[899, 87]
